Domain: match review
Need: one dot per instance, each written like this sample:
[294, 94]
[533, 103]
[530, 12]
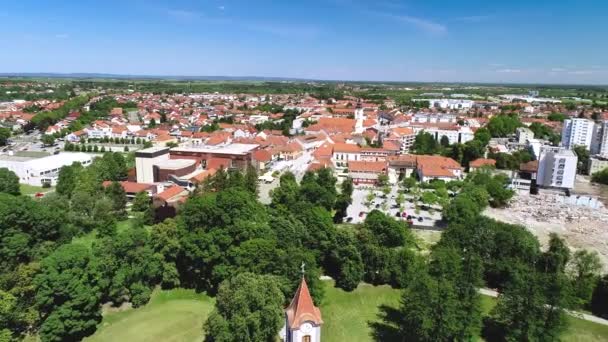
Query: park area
[178, 315]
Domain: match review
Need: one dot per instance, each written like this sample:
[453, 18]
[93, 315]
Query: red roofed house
[261, 158]
[366, 171]
[344, 153]
[302, 318]
[133, 188]
[436, 167]
[172, 195]
[481, 162]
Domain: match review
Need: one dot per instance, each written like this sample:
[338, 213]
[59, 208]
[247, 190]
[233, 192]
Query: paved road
[586, 317]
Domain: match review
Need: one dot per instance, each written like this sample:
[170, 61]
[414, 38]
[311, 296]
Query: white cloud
[509, 71]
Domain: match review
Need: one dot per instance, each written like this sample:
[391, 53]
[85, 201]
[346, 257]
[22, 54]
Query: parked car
[420, 219]
[377, 206]
[404, 214]
[349, 219]
[361, 214]
[39, 194]
[398, 214]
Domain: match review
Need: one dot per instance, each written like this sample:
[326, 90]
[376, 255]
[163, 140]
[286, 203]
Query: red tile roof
[170, 193]
[302, 308]
[482, 162]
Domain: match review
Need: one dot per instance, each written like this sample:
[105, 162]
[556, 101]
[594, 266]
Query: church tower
[302, 318]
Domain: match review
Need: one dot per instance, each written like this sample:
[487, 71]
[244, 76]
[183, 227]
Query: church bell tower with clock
[302, 318]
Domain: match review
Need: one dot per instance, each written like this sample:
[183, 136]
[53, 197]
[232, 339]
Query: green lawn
[27, 189]
[90, 237]
[346, 314]
[178, 315]
[175, 315]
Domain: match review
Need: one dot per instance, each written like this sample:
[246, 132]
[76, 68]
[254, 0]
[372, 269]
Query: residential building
[524, 134]
[600, 140]
[577, 132]
[597, 164]
[343, 153]
[436, 167]
[556, 168]
[366, 172]
[481, 162]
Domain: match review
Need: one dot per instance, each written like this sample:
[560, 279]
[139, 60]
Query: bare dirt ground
[582, 227]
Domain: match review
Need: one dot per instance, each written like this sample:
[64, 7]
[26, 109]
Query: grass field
[27, 189]
[175, 315]
[178, 315]
[346, 314]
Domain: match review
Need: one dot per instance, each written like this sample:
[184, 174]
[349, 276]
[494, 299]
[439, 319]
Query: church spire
[302, 308]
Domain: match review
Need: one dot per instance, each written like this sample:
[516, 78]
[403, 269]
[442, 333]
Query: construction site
[581, 219]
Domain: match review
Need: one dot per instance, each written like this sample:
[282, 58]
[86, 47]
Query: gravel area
[581, 226]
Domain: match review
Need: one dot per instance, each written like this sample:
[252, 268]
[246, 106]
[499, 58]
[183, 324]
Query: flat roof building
[45, 170]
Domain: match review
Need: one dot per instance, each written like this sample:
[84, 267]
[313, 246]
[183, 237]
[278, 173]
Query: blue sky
[548, 41]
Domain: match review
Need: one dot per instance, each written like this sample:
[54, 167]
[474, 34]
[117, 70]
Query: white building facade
[577, 132]
[40, 171]
[556, 168]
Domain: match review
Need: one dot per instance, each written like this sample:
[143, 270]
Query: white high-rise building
[599, 144]
[556, 168]
[578, 132]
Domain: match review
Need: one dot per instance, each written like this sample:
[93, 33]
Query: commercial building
[40, 171]
[556, 168]
[239, 155]
[450, 104]
[577, 132]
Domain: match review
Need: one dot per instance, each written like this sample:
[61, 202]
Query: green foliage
[248, 306]
[69, 294]
[599, 299]
[9, 182]
[545, 132]
[501, 126]
[557, 117]
[600, 177]
[5, 133]
[142, 204]
[117, 195]
[584, 268]
[129, 265]
[583, 159]
[425, 143]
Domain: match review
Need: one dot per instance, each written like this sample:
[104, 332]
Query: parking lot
[420, 218]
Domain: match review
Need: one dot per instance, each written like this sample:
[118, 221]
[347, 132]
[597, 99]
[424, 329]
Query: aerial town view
[330, 170]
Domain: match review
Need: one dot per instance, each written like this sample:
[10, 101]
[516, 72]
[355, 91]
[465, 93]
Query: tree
[164, 240]
[599, 299]
[483, 135]
[118, 196]
[583, 159]
[9, 182]
[382, 180]
[248, 306]
[48, 139]
[346, 265]
[5, 133]
[600, 177]
[425, 143]
[445, 141]
[387, 231]
[585, 270]
[503, 125]
[143, 204]
[251, 180]
[69, 294]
